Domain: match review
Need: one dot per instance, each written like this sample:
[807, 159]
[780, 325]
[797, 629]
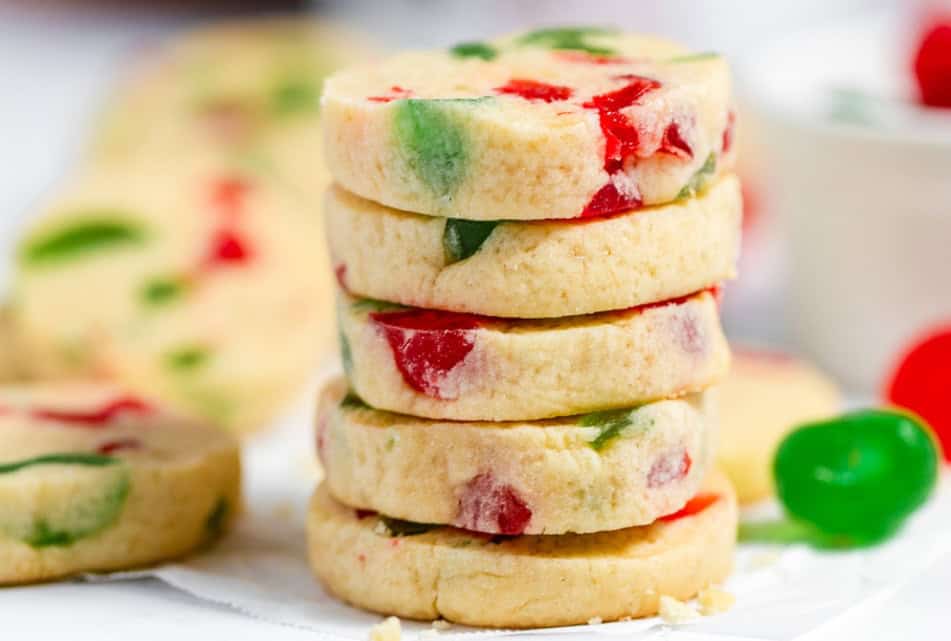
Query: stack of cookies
[528, 236]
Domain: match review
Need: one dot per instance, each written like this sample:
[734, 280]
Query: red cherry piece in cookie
[396, 93]
[629, 94]
[673, 143]
[427, 344]
[608, 200]
[689, 336]
[589, 58]
[535, 90]
[227, 194]
[667, 469]
[118, 445]
[932, 64]
[620, 134]
[489, 506]
[696, 505]
[340, 272]
[364, 514]
[921, 382]
[323, 426]
[728, 132]
[229, 122]
[95, 418]
[227, 248]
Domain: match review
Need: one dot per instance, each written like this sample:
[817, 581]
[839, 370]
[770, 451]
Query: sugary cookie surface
[93, 477]
[593, 472]
[556, 123]
[455, 366]
[197, 282]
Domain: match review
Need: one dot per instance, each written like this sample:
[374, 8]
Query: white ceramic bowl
[866, 208]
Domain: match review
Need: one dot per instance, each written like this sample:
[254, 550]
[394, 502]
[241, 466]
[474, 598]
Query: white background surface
[53, 75]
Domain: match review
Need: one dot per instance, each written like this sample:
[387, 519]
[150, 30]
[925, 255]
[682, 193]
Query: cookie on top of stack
[528, 236]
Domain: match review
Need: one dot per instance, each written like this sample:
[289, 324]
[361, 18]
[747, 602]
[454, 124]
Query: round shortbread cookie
[525, 581]
[199, 284]
[92, 479]
[589, 473]
[454, 366]
[766, 395]
[557, 123]
[535, 269]
[248, 89]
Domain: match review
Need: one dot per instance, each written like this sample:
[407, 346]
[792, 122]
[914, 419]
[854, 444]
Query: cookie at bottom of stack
[524, 581]
[92, 479]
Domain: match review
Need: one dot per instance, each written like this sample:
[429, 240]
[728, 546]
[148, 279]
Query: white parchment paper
[781, 592]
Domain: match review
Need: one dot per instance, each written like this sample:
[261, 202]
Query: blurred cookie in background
[95, 479]
[767, 394]
[247, 89]
[10, 369]
[196, 281]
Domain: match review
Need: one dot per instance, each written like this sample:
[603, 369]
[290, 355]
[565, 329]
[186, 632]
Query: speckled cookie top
[556, 123]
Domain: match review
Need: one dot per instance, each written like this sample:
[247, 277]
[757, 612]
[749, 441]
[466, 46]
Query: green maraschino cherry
[850, 481]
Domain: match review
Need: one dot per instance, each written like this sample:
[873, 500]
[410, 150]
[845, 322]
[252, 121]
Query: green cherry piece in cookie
[568, 38]
[64, 520]
[69, 458]
[694, 57]
[399, 527]
[851, 480]
[352, 401]
[295, 95]
[160, 291]
[699, 180]
[374, 305]
[94, 232]
[479, 50]
[462, 238]
[187, 359]
[611, 424]
[433, 141]
[346, 355]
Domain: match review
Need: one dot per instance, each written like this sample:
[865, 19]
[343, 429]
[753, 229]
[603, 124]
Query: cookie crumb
[381, 529]
[387, 630]
[441, 624]
[595, 621]
[676, 611]
[714, 600]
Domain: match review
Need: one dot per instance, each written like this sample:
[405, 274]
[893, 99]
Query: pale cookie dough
[246, 89]
[557, 123]
[588, 473]
[10, 369]
[525, 581]
[446, 365]
[535, 269]
[766, 395]
[93, 479]
[201, 284]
